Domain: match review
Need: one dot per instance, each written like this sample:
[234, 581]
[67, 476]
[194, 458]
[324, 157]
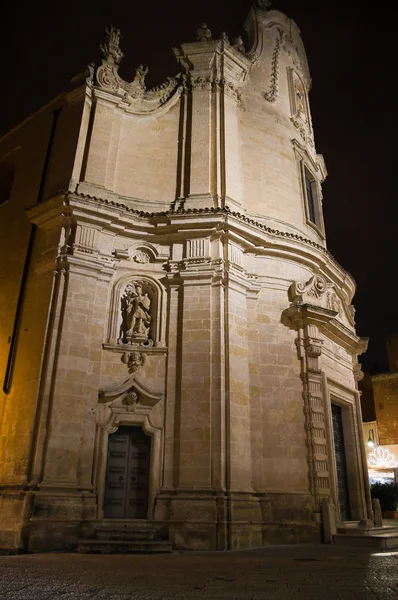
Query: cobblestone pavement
[271, 573]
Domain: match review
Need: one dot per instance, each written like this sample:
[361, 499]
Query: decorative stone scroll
[136, 312]
[132, 93]
[317, 290]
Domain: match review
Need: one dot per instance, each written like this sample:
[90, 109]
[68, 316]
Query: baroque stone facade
[176, 279]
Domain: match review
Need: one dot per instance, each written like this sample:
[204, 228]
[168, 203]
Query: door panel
[138, 485]
[341, 464]
[127, 474]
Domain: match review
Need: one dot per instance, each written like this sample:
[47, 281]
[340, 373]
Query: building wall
[392, 351]
[193, 192]
[26, 149]
[385, 390]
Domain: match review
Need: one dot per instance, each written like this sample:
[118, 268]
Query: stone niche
[135, 315]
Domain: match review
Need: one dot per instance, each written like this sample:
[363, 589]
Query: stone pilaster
[309, 348]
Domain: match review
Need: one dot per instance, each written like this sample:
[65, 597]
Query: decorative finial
[203, 34]
[140, 73]
[263, 4]
[239, 45]
[110, 48]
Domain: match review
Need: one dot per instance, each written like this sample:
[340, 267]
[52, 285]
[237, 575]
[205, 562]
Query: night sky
[352, 58]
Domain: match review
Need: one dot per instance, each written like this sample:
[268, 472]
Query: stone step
[366, 532]
[124, 533]
[123, 547]
[349, 524]
[384, 541]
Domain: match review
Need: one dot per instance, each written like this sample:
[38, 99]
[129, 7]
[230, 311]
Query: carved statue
[299, 93]
[239, 45]
[263, 4]
[203, 34]
[110, 48]
[140, 73]
[136, 318]
[138, 311]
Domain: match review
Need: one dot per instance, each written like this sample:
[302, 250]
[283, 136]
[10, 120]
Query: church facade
[178, 346]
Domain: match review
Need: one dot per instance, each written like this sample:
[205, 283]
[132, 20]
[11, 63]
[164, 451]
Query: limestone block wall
[134, 157]
[239, 433]
[271, 170]
[279, 451]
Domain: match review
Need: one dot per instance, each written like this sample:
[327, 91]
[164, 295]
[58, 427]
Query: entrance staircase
[125, 537]
[354, 533]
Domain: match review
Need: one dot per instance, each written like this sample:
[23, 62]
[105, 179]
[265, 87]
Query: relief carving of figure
[333, 302]
[136, 318]
[299, 93]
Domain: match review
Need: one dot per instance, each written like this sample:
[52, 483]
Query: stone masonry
[177, 280]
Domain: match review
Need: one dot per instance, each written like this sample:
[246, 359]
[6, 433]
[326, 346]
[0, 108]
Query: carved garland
[273, 90]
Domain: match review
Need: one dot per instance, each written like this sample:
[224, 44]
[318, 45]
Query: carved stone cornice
[51, 213]
[214, 65]
[299, 315]
[315, 161]
[259, 238]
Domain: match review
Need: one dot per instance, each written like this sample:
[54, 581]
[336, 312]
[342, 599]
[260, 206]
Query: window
[310, 197]
[311, 192]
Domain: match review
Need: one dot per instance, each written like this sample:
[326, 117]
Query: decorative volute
[134, 95]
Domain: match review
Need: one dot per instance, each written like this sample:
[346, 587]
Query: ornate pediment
[126, 400]
[317, 290]
[129, 391]
[135, 96]
[317, 302]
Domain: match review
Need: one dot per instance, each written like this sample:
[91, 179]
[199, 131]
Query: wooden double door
[127, 474]
[341, 464]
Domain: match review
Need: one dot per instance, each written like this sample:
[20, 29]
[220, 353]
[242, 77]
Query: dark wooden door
[341, 464]
[127, 474]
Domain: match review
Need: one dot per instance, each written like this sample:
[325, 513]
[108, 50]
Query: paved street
[272, 573]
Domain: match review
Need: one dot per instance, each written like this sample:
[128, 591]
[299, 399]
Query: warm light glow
[382, 458]
[371, 440]
[381, 474]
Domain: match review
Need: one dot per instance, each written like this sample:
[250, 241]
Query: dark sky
[352, 58]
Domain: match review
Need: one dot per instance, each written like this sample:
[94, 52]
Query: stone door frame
[117, 419]
[347, 399]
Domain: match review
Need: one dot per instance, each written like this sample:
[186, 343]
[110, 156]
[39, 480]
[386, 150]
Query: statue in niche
[136, 318]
